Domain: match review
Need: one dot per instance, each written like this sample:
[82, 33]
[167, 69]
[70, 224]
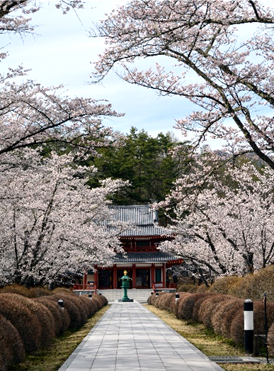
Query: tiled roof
[141, 217]
[145, 257]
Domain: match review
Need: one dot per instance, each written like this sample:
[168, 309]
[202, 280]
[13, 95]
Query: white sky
[61, 53]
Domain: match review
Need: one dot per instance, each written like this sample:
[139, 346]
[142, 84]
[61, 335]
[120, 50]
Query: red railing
[88, 286]
[171, 285]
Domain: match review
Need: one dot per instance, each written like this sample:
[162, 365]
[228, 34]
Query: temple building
[145, 264]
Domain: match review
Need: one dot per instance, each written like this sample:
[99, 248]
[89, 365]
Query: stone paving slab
[130, 337]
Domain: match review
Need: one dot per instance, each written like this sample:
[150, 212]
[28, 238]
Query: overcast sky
[61, 52]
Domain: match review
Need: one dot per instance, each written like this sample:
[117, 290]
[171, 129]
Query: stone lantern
[125, 285]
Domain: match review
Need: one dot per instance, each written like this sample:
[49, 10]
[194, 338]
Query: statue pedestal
[125, 298]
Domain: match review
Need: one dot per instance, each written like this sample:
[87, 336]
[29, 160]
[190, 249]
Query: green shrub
[16, 309]
[242, 288]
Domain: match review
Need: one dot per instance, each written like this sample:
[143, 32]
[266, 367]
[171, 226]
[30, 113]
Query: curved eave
[147, 257]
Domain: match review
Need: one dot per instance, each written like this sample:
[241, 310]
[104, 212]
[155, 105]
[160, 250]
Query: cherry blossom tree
[223, 63]
[31, 114]
[50, 220]
[223, 224]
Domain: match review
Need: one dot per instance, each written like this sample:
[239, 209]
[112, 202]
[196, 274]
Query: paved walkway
[130, 337]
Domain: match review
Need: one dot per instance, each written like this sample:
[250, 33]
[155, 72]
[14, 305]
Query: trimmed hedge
[186, 306]
[185, 288]
[225, 285]
[221, 319]
[75, 319]
[164, 300]
[223, 313]
[60, 316]
[33, 292]
[237, 325]
[11, 345]
[208, 308]
[270, 340]
[175, 305]
[29, 323]
[89, 305]
[16, 308]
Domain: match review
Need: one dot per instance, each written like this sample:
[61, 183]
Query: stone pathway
[130, 337]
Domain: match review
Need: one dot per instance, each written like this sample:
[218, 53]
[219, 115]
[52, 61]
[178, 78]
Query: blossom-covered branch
[223, 55]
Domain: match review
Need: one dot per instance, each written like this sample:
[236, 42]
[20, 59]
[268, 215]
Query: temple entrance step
[140, 295]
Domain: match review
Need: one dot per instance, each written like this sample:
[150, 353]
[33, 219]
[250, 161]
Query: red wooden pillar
[96, 283]
[85, 281]
[134, 276]
[115, 276]
[152, 275]
[164, 275]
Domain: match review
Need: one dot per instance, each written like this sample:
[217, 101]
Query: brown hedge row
[223, 313]
[30, 323]
[237, 324]
[61, 316]
[225, 285]
[33, 292]
[164, 300]
[17, 309]
[11, 345]
[270, 340]
[186, 305]
[209, 307]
